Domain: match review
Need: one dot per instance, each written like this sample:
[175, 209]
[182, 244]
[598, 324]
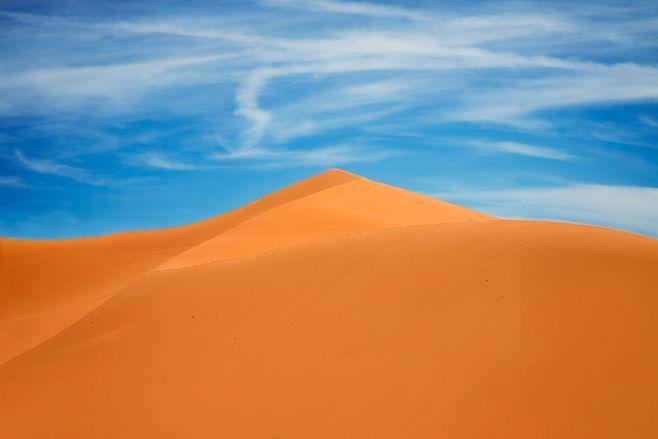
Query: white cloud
[523, 149]
[357, 8]
[649, 121]
[447, 28]
[49, 167]
[592, 85]
[248, 106]
[156, 160]
[81, 175]
[625, 207]
[306, 120]
[9, 181]
[327, 156]
[120, 83]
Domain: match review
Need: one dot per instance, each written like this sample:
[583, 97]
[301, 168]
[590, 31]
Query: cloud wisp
[80, 175]
[326, 156]
[156, 160]
[355, 8]
[625, 207]
[49, 167]
[12, 181]
[522, 149]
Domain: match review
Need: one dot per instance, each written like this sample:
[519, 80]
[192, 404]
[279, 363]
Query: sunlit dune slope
[344, 310]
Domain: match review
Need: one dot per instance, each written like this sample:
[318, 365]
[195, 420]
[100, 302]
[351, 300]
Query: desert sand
[335, 308]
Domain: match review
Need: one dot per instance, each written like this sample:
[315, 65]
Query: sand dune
[337, 307]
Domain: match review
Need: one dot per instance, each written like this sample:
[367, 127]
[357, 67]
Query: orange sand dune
[337, 307]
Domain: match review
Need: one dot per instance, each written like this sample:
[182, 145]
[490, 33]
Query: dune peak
[338, 172]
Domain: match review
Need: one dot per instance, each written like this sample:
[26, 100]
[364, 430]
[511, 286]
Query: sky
[130, 115]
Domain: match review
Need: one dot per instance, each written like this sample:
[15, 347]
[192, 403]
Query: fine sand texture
[335, 308]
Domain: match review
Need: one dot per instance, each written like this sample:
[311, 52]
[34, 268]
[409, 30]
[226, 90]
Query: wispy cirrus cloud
[157, 160]
[11, 181]
[593, 84]
[625, 207]
[81, 175]
[648, 121]
[355, 8]
[49, 167]
[333, 155]
[118, 85]
[522, 149]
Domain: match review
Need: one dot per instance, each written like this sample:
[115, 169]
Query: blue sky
[133, 115]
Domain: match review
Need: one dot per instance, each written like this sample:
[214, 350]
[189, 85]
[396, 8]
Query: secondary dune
[337, 307]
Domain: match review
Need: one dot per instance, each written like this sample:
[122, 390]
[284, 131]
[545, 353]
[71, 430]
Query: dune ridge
[336, 307]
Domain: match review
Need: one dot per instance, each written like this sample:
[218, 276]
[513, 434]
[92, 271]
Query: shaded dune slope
[340, 307]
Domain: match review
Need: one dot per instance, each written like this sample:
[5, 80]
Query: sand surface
[335, 308]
